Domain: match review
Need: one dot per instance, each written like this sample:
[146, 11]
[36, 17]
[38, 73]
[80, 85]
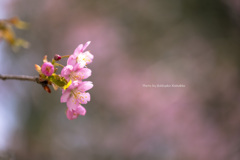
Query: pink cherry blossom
[75, 73]
[79, 57]
[47, 68]
[75, 94]
[80, 110]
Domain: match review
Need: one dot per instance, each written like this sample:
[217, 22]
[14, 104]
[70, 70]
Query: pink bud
[47, 68]
[57, 57]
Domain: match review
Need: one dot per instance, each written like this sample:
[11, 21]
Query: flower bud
[38, 68]
[57, 57]
[47, 69]
[47, 89]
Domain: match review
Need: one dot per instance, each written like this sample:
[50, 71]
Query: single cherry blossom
[76, 94]
[79, 57]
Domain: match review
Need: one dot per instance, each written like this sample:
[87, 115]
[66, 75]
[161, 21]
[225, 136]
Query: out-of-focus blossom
[47, 68]
[7, 33]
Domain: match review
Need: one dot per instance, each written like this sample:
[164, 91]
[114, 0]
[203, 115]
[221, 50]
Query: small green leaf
[56, 79]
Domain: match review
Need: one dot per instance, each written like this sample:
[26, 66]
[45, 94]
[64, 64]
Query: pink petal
[72, 60]
[80, 62]
[66, 71]
[73, 114]
[83, 98]
[82, 73]
[78, 50]
[72, 103]
[84, 86]
[89, 55]
[65, 96]
[69, 114]
[81, 110]
[75, 84]
[86, 72]
[85, 46]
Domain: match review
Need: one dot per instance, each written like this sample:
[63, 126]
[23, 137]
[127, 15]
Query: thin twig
[44, 83]
[20, 77]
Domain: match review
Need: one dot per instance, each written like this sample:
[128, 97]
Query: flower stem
[66, 56]
[58, 64]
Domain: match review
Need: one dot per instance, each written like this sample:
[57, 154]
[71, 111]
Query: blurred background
[137, 44]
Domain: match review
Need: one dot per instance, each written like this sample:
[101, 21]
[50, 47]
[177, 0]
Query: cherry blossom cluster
[70, 80]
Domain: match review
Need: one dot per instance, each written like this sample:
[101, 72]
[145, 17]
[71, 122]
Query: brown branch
[20, 77]
[44, 83]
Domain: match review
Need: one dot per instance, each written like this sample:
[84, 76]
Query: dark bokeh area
[137, 45]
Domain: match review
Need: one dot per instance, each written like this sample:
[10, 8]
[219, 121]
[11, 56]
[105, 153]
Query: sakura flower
[47, 68]
[79, 57]
[75, 94]
[80, 110]
[75, 73]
